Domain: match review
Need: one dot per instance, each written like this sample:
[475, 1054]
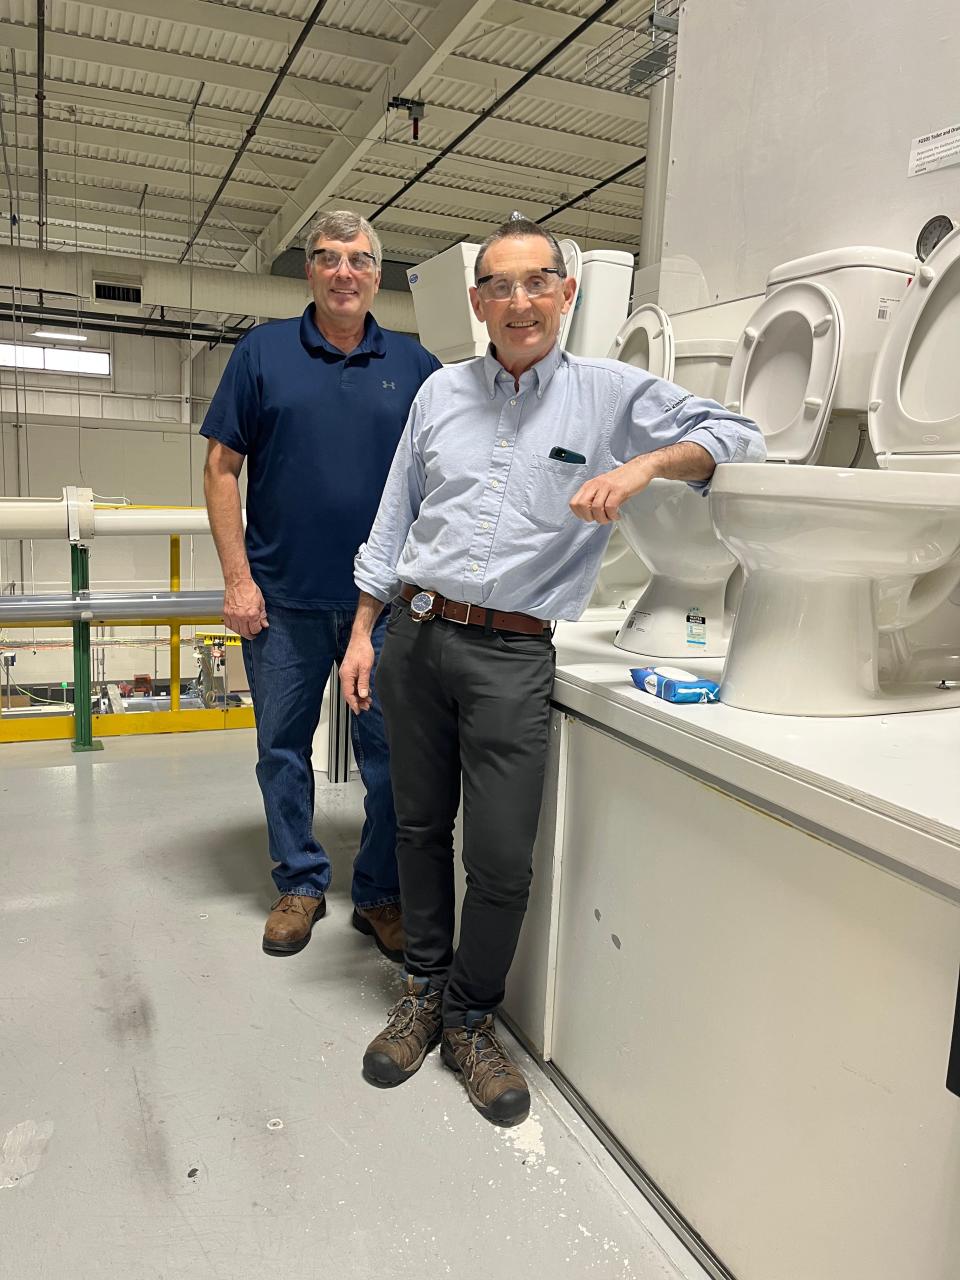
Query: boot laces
[404, 1013]
[490, 1058]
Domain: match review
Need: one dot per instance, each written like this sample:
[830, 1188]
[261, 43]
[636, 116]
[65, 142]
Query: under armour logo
[389, 386]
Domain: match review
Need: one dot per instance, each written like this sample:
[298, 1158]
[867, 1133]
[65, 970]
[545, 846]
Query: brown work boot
[495, 1085]
[412, 1030]
[291, 922]
[385, 926]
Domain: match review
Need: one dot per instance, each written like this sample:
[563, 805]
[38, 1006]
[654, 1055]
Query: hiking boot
[495, 1085]
[385, 926]
[291, 922]
[412, 1030]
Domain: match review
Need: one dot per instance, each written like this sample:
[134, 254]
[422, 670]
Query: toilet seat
[784, 372]
[914, 409]
[573, 261]
[648, 334]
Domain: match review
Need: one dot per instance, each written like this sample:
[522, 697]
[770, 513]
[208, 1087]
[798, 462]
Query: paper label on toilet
[696, 627]
[934, 150]
[885, 307]
[639, 622]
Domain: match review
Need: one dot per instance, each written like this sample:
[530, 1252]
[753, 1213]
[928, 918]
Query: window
[21, 355]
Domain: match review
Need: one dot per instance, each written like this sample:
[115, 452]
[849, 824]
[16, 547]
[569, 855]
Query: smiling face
[342, 297]
[522, 329]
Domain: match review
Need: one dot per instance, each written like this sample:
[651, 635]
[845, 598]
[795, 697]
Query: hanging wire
[77, 287]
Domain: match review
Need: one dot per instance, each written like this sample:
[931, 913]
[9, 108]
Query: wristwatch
[421, 606]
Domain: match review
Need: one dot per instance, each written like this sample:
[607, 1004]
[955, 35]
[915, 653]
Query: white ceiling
[144, 114]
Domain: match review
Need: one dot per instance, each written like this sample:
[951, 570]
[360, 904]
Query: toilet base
[677, 620]
[810, 647]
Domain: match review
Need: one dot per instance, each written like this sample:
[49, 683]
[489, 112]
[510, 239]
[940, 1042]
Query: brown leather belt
[475, 615]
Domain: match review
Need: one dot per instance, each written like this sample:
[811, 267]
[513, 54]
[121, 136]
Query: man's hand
[600, 499]
[355, 673]
[244, 610]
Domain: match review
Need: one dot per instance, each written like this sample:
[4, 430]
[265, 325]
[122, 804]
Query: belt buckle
[421, 606]
[461, 622]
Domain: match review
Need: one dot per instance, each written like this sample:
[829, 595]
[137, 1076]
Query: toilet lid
[645, 339]
[784, 371]
[914, 406]
[573, 261]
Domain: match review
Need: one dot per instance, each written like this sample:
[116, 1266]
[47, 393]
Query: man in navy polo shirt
[317, 406]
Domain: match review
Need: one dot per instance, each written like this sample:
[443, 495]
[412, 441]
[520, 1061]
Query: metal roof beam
[445, 28]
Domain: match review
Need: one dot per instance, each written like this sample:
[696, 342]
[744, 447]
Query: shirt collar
[372, 342]
[494, 372]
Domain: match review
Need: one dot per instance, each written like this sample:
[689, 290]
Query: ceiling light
[60, 337]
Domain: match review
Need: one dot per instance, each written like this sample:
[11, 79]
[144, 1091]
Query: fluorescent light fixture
[59, 337]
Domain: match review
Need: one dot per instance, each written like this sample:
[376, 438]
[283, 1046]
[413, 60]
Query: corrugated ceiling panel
[586, 124]
[551, 161]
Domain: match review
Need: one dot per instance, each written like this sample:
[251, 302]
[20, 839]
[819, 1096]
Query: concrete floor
[175, 1104]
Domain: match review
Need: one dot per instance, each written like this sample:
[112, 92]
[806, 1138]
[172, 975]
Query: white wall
[791, 133]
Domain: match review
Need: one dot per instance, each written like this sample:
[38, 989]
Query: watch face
[421, 603]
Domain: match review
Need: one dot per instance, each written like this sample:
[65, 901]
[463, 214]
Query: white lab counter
[741, 954]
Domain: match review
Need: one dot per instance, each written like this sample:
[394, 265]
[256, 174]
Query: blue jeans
[288, 665]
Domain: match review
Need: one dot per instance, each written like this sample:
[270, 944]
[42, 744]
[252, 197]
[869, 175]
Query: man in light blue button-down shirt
[493, 523]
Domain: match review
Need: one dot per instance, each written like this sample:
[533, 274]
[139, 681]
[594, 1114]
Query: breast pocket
[549, 489]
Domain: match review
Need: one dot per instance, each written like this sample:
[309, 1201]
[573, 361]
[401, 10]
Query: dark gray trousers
[465, 707]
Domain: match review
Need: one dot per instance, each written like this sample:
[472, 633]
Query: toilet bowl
[804, 356]
[839, 564]
[684, 609]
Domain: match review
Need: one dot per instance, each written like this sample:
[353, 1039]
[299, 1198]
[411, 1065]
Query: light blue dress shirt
[475, 509]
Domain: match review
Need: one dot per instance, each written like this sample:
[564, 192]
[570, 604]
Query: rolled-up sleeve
[375, 565]
[659, 413]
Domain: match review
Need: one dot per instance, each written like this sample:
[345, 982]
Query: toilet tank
[441, 302]
[602, 302]
[868, 284]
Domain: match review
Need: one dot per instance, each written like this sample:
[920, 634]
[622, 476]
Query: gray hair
[342, 224]
[520, 228]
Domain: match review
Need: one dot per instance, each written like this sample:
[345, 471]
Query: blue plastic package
[673, 685]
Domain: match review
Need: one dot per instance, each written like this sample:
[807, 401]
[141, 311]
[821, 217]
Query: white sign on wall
[934, 150]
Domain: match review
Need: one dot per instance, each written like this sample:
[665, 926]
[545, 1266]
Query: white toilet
[685, 608]
[837, 559]
[804, 357]
[441, 301]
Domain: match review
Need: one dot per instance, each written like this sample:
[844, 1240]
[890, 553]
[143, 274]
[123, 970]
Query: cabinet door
[763, 1021]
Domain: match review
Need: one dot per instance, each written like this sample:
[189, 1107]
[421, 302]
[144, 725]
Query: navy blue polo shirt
[319, 429]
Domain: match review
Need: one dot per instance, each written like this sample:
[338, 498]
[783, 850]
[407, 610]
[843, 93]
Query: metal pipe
[174, 631]
[41, 172]
[657, 170]
[112, 608]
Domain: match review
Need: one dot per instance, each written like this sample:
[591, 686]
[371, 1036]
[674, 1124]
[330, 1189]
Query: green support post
[83, 739]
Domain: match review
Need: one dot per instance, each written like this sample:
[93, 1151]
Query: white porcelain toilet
[804, 358]
[839, 563]
[441, 301]
[684, 609]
